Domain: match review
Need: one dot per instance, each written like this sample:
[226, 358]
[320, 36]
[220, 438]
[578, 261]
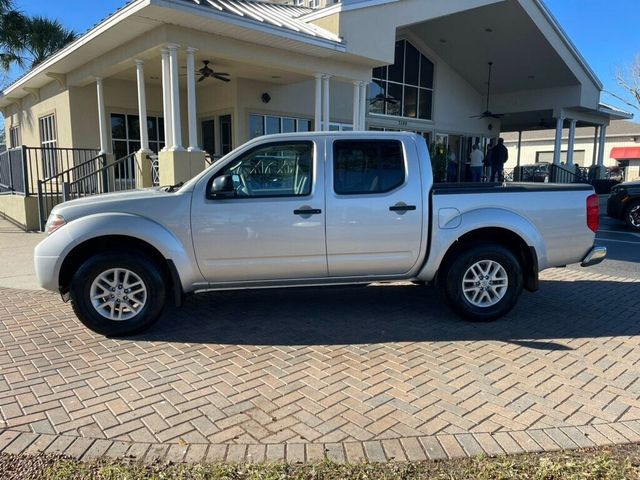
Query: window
[125, 134]
[404, 89]
[340, 127]
[226, 138]
[375, 166]
[275, 170]
[49, 143]
[14, 137]
[547, 157]
[268, 125]
[208, 136]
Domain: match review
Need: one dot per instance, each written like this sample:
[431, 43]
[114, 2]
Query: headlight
[54, 222]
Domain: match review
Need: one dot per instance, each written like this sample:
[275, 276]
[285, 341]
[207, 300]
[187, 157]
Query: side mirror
[222, 187]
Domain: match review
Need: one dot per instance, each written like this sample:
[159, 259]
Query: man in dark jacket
[499, 156]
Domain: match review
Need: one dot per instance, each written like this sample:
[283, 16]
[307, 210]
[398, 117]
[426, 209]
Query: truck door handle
[307, 211]
[402, 208]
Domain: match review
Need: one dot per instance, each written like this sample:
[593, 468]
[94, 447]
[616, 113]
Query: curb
[435, 447]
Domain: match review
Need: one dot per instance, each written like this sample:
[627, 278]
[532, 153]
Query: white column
[326, 113]
[142, 107]
[318, 103]
[603, 145]
[102, 118]
[572, 142]
[166, 99]
[176, 126]
[557, 148]
[191, 99]
[363, 105]
[356, 105]
[596, 135]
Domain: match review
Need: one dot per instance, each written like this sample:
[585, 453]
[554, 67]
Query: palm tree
[28, 41]
[12, 28]
[44, 37]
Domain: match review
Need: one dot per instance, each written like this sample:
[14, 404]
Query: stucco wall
[20, 210]
[53, 100]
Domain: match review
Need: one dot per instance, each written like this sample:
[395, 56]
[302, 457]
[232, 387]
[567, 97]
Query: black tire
[632, 214]
[451, 282]
[147, 271]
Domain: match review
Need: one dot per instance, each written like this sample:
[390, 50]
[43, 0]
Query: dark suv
[624, 203]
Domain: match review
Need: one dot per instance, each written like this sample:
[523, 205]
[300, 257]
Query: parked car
[624, 203]
[538, 172]
[313, 209]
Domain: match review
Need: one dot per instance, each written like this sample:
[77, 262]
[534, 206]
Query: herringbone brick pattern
[381, 366]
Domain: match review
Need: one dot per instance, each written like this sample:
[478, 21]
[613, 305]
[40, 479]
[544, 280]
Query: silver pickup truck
[313, 209]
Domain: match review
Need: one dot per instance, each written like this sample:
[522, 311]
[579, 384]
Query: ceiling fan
[382, 98]
[543, 125]
[488, 113]
[207, 72]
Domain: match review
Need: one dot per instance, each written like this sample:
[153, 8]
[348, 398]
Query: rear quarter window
[367, 167]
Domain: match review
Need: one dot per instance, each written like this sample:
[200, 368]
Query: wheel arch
[101, 232]
[109, 243]
[509, 239]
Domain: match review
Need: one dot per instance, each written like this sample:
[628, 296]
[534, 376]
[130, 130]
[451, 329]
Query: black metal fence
[90, 177]
[47, 162]
[13, 172]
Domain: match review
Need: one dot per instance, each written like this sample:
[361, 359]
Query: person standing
[499, 156]
[476, 163]
[452, 165]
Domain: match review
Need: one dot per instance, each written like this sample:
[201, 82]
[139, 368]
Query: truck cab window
[275, 170]
[366, 167]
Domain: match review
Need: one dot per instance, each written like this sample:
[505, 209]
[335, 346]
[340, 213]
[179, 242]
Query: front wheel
[117, 294]
[483, 283]
[632, 216]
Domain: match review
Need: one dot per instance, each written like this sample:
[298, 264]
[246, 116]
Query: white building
[622, 147]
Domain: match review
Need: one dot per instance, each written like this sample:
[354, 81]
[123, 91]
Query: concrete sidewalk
[16, 252]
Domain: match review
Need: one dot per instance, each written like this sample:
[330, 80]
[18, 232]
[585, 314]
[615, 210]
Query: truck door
[273, 226]
[374, 207]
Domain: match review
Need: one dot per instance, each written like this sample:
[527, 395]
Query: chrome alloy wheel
[118, 294]
[634, 216]
[485, 283]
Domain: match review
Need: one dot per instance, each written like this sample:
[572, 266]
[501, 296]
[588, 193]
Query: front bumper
[596, 255]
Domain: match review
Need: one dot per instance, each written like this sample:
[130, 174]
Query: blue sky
[605, 32]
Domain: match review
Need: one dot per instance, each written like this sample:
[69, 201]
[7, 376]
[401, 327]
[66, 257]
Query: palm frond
[45, 37]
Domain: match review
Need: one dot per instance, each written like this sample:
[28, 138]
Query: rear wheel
[483, 283]
[115, 294]
[632, 216]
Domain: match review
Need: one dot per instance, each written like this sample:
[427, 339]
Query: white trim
[341, 7]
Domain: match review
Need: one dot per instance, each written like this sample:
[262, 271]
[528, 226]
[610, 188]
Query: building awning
[625, 153]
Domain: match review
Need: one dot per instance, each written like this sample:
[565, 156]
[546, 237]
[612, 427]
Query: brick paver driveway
[375, 372]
